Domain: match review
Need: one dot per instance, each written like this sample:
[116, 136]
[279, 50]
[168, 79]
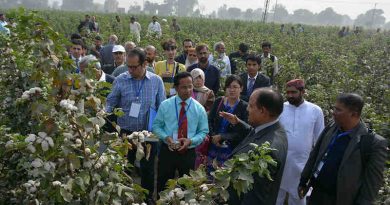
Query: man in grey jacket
[346, 165]
[265, 106]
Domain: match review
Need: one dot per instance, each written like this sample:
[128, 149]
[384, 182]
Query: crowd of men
[341, 163]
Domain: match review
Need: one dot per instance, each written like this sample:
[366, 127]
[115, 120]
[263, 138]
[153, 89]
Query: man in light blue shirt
[181, 124]
[3, 23]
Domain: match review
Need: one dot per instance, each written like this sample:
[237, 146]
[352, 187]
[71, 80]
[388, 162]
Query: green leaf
[119, 112]
[74, 160]
[66, 195]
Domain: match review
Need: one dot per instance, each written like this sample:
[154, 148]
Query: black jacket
[261, 81]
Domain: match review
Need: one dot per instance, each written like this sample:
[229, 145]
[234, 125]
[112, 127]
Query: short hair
[90, 59]
[188, 40]
[113, 38]
[271, 100]
[218, 44]
[170, 43]
[139, 52]
[352, 101]
[231, 78]
[75, 36]
[78, 42]
[253, 57]
[99, 38]
[243, 47]
[132, 18]
[150, 47]
[200, 47]
[266, 44]
[179, 76]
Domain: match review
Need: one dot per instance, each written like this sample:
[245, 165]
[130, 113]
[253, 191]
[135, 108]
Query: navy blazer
[260, 82]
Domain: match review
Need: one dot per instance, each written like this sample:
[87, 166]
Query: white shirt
[102, 77]
[154, 27]
[248, 81]
[226, 69]
[303, 125]
[268, 57]
[135, 28]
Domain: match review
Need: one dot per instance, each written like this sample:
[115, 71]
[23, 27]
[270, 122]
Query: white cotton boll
[31, 148]
[45, 145]
[193, 202]
[141, 137]
[204, 187]
[30, 138]
[68, 135]
[47, 166]
[98, 165]
[129, 137]
[37, 163]
[182, 202]
[78, 142]
[50, 141]
[9, 144]
[25, 96]
[32, 189]
[87, 164]
[87, 151]
[100, 184]
[42, 134]
[63, 103]
[27, 185]
[56, 183]
[179, 193]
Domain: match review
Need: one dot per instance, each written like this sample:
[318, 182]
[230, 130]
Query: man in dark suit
[346, 165]
[238, 56]
[107, 56]
[265, 106]
[253, 79]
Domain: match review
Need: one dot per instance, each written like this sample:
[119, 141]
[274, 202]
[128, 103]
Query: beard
[294, 101]
[203, 60]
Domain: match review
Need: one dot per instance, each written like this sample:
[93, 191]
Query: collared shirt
[248, 81]
[154, 27]
[265, 125]
[135, 28]
[124, 93]
[275, 63]
[166, 121]
[222, 61]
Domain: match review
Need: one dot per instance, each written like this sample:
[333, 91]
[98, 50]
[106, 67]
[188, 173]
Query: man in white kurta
[303, 122]
[154, 28]
[135, 29]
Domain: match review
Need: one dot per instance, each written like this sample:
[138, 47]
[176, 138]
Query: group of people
[341, 163]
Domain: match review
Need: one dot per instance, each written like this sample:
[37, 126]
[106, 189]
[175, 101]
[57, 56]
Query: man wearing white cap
[118, 51]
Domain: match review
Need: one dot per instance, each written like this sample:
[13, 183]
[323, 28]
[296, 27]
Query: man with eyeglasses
[169, 68]
[137, 92]
[211, 72]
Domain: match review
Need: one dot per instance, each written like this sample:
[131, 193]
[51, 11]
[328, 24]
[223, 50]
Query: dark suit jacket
[232, 132]
[181, 58]
[261, 81]
[264, 192]
[107, 58]
[110, 78]
[212, 76]
[356, 184]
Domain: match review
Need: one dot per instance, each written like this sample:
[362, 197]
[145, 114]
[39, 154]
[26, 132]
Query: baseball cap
[118, 48]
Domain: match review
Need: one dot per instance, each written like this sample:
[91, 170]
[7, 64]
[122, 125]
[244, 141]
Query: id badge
[172, 91]
[319, 167]
[134, 109]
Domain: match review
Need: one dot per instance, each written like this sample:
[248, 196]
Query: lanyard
[333, 142]
[167, 68]
[137, 94]
[224, 122]
[185, 112]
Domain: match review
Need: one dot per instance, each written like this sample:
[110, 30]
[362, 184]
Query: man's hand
[185, 142]
[302, 192]
[170, 143]
[216, 139]
[233, 119]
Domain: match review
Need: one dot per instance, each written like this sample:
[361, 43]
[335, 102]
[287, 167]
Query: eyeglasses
[192, 55]
[132, 67]
[233, 87]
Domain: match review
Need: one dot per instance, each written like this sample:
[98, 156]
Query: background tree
[372, 18]
[77, 5]
[111, 6]
[303, 16]
[280, 14]
[329, 17]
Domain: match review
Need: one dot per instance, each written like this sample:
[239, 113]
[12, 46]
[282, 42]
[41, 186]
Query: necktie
[183, 124]
[250, 87]
[77, 65]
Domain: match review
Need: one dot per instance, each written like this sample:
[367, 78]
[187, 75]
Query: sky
[352, 8]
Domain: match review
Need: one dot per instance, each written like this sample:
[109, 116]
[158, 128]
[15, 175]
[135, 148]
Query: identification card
[172, 91]
[134, 109]
[167, 75]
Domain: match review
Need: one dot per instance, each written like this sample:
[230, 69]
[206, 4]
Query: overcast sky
[349, 7]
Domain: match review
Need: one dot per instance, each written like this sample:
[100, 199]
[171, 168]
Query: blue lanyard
[137, 94]
[224, 122]
[333, 142]
[185, 113]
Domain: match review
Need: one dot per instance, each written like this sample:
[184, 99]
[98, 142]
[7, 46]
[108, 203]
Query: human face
[198, 82]
[98, 43]
[154, 19]
[192, 56]
[136, 69]
[255, 114]
[150, 55]
[187, 45]
[76, 50]
[266, 50]
[342, 115]
[119, 58]
[294, 96]
[221, 49]
[203, 55]
[233, 90]
[252, 67]
[170, 53]
[184, 89]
